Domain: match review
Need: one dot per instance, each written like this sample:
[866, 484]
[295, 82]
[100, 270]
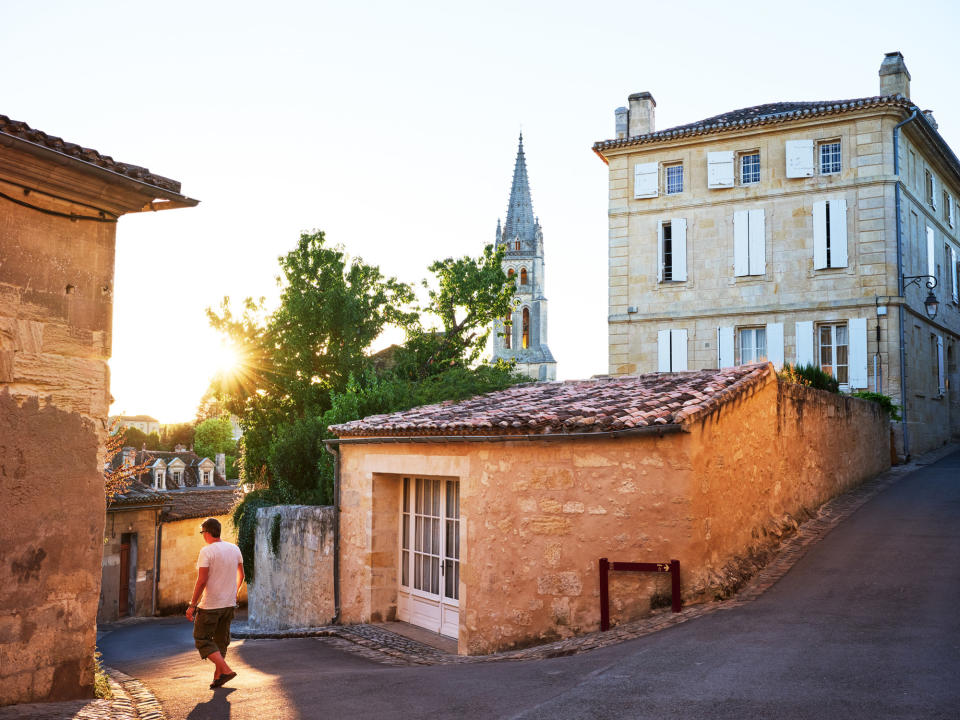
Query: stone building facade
[523, 335]
[485, 520]
[59, 206]
[789, 231]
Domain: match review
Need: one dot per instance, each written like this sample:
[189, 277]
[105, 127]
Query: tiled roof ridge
[19, 129]
[613, 404]
[735, 119]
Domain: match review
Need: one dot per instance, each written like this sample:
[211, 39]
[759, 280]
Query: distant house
[147, 527]
[485, 519]
[144, 423]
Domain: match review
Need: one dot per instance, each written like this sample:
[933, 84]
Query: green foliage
[245, 521]
[885, 401]
[809, 375]
[214, 436]
[137, 438]
[294, 462]
[101, 683]
[176, 434]
[275, 535]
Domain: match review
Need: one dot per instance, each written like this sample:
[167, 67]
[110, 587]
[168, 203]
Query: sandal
[220, 681]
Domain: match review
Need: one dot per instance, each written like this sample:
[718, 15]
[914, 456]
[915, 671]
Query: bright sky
[393, 127]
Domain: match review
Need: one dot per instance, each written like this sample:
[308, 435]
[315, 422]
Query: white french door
[430, 555]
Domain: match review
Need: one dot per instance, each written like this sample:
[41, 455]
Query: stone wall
[180, 543]
[140, 525]
[537, 516]
[56, 280]
[294, 586]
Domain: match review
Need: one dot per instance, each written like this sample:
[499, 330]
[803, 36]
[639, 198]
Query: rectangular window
[930, 189]
[830, 234]
[753, 345]
[948, 208]
[829, 157]
[749, 168]
[834, 348]
[674, 179]
[667, 240]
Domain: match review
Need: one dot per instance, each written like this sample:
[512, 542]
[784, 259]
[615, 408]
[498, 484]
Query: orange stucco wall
[537, 515]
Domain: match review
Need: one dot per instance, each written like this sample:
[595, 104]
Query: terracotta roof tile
[581, 406]
[199, 502]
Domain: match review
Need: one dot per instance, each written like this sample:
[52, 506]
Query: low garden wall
[293, 568]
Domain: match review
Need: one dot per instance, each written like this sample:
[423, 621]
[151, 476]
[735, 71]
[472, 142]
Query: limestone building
[801, 232]
[523, 335]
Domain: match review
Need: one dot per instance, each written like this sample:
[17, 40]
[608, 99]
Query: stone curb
[384, 646]
[143, 703]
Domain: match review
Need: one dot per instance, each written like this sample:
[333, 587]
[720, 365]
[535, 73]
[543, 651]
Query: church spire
[520, 221]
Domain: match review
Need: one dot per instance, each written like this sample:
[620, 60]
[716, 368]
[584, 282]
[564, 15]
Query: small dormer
[158, 472]
[205, 470]
[176, 468]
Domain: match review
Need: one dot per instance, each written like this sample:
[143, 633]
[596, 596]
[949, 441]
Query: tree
[135, 437]
[210, 407]
[176, 434]
[214, 436]
[116, 481]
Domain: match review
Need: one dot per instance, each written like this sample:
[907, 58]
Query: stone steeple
[524, 339]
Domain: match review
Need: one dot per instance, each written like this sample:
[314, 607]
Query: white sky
[393, 127]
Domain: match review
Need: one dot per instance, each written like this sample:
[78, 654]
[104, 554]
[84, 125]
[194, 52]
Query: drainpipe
[335, 451]
[900, 288]
[157, 539]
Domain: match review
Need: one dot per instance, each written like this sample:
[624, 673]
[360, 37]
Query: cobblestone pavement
[133, 701]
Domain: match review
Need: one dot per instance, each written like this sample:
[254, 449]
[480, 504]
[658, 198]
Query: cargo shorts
[211, 630]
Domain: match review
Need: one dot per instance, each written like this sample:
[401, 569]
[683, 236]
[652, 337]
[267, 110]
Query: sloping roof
[191, 461]
[759, 115]
[137, 494]
[582, 406]
[196, 503]
[21, 130]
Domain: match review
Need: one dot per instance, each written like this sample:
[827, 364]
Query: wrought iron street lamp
[931, 303]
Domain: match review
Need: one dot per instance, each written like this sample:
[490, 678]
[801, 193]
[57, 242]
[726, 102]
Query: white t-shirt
[221, 590]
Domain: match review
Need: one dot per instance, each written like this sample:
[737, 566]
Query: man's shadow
[216, 708]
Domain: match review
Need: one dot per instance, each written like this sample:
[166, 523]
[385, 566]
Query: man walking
[219, 578]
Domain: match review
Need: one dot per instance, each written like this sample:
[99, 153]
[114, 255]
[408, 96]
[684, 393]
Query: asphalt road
[864, 626]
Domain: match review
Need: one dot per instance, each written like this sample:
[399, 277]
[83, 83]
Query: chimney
[641, 113]
[221, 463]
[894, 76]
[621, 114]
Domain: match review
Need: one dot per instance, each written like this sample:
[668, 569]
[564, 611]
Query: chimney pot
[894, 76]
[641, 113]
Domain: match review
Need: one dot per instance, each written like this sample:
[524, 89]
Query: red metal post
[675, 584]
[604, 594]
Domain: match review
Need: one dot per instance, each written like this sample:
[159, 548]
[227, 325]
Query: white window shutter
[741, 237]
[679, 229]
[950, 210]
[725, 347]
[775, 344]
[819, 235]
[933, 191]
[758, 263]
[941, 386]
[857, 370]
[799, 158]
[953, 275]
[838, 232]
[805, 343]
[659, 252]
[663, 351]
[646, 180]
[720, 169]
[678, 346]
[931, 257]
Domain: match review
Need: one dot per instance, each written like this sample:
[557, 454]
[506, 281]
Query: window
[666, 238]
[206, 477]
[523, 276]
[671, 350]
[948, 208]
[510, 274]
[508, 331]
[748, 243]
[936, 354]
[674, 178]
[830, 234]
[829, 157]
[930, 186]
[516, 245]
[177, 475]
[159, 480]
[753, 345]
[749, 168]
[833, 351]
[526, 328]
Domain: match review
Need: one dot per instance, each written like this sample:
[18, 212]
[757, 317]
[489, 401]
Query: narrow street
[865, 625]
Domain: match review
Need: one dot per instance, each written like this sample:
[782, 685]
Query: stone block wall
[294, 586]
[141, 526]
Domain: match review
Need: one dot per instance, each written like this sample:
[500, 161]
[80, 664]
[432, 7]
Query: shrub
[101, 683]
[884, 401]
[809, 375]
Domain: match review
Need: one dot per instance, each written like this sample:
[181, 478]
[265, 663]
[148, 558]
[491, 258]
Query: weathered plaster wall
[293, 588]
[536, 516]
[180, 543]
[142, 523]
[56, 280]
